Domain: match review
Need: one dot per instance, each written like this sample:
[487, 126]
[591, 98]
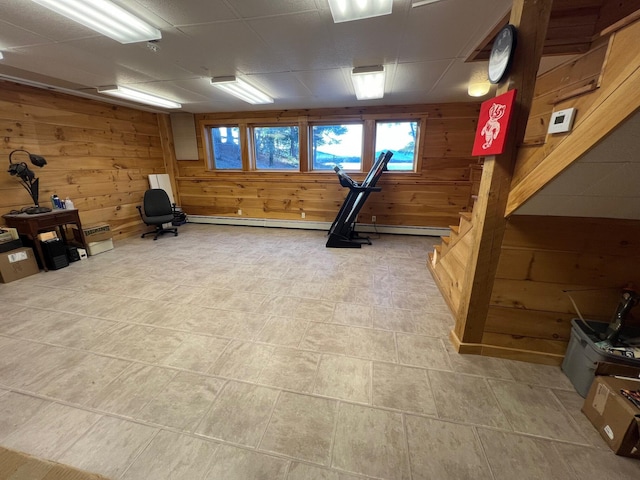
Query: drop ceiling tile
[312, 47]
[326, 83]
[260, 8]
[455, 80]
[15, 37]
[429, 29]
[191, 12]
[225, 49]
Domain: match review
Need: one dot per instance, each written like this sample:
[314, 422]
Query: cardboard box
[95, 248]
[615, 416]
[96, 233]
[43, 237]
[17, 264]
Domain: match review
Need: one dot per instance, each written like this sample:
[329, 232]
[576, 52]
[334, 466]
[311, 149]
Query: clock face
[502, 53]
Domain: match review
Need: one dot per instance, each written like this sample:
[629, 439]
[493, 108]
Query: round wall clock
[502, 53]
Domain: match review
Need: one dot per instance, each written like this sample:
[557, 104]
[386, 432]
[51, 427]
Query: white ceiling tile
[189, 12]
[262, 8]
[326, 83]
[225, 49]
[313, 49]
[12, 36]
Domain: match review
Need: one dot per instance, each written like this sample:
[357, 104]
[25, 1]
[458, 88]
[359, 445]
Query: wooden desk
[31, 225]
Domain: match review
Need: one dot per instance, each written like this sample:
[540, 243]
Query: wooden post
[531, 18]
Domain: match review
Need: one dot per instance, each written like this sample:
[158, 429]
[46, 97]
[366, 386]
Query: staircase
[448, 260]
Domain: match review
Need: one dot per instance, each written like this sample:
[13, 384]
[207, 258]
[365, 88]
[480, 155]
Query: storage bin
[582, 354]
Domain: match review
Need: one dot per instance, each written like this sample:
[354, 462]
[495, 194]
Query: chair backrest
[157, 203]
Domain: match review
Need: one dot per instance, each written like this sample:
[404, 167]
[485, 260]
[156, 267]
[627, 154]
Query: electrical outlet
[239, 211]
[373, 219]
[303, 215]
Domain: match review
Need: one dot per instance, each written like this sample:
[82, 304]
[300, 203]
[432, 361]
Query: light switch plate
[562, 120]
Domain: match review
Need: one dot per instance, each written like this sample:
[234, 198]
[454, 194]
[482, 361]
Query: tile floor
[250, 353]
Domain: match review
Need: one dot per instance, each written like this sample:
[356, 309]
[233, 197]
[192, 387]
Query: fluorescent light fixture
[420, 3]
[479, 89]
[348, 10]
[1, 56]
[241, 89]
[368, 82]
[106, 18]
[138, 96]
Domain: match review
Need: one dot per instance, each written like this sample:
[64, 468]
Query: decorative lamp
[28, 179]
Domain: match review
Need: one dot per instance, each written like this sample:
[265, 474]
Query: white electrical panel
[562, 120]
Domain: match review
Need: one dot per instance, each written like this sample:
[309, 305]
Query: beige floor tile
[303, 471]
[183, 401]
[79, 378]
[242, 361]
[23, 321]
[197, 353]
[395, 319]
[109, 447]
[409, 300]
[137, 342]
[467, 399]
[533, 459]
[433, 322]
[51, 431]
[72, 331]
[535, 410]
[241, 302]
[370, 442]
[231, 462]
[301, 427]
[596, 464]
[16, 409]
[240, 414]
[290, 369]
[226, 323]
[353, 314]
[280, 305]
[535, 374]
[314, 310]
[440, 449]
[478, 365]
[345, 378]
[133, 389]
[422, 351]
[372, 344]
[285, 331]
[402, 388]
[22, 361]
[573, 402]
[326, 337]
[173, 456]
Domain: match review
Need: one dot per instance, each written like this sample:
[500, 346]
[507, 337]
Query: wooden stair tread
[455, 228]
[465, 215]
[446, 240]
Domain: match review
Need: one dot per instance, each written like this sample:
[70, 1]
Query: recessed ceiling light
[348, 10]
[138, 96]
[106, 18]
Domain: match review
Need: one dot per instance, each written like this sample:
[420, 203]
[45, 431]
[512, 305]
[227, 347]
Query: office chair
[157, 211]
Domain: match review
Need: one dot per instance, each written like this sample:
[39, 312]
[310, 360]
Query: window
[276, 148]
[400, 138]
[225, 142]
[337, 144]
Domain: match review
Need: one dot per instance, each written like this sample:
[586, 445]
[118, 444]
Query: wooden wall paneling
[98, 154]
[530, 323]
[536, 350]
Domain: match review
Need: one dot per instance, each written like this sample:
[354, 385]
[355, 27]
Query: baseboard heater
[310, 225]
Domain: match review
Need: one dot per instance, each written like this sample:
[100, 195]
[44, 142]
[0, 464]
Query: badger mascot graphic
[491, 129]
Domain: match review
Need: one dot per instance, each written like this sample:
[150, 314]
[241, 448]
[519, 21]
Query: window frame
[339, 122]
[253, 160]
[304, 123]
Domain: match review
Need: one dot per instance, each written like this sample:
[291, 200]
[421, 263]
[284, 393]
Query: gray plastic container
[582, 355]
